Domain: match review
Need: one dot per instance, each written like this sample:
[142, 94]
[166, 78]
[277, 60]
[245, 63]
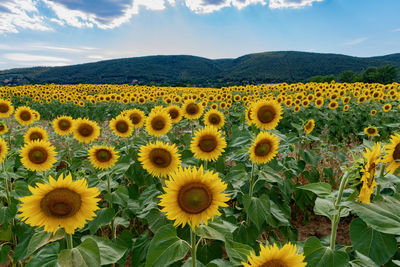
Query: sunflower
[248, 115]
[24, 115]
[193, 196]
[3, 149]
[103, 157]
[63, 125]
[319, 102]
[158, 123]
[3, 128]
[296, 108]
[309, 126]
[207, 144]
[6, 108]
[264, 148]
[266, 114]
[192, 110]
[214, 118]
[272, 256]
[333, 105]
[35, 133]
[63, 203]
[175, 112]
[36, 115]
[387, 107]
[121, 126]
[371, 131]
[159, 159]
[373, 112]
[136, 116]
[392, 156]
[372, 157]
[346, 107]
[85, 131]
[38, 155]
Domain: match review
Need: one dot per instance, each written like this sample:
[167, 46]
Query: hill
[268, 67]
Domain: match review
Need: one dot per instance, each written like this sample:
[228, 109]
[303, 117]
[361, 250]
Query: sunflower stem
[378, 187]
[68, 237]
[336, 219]
[205, 165]
[193, 247]
[250, 191]
[113, 232]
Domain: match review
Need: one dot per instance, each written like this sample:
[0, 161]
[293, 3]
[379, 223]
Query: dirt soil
[320, 226]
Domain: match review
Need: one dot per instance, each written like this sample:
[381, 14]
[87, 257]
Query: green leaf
[217, 230]
[383, 216]
[166, 247]
[237, 252]
[38, 240]
[103, 217]
[4, 250]
[47, 257]
[320, 256]
[325, 207]
[257, 209]
[320, 189]
[109, 251]
[85, 255]
[189, 263]
[219, 263]
[378, 246]
[362, 261]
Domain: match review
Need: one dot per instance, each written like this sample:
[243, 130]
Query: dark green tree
[347, 76]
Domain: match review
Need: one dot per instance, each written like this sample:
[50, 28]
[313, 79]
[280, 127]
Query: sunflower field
[284, 175]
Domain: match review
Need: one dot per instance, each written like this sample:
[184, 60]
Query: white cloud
[59, 48]
[95, 57]
[80, 15]
[23, 57]
[356, 41]
[209, 6]
[16, 14]
[397, 30]
[291, 3]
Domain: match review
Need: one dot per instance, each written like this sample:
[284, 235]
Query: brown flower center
[135, 118]
[103, 155]
[214, 119]
[122, 126]
[194, 198]
[61, 203]
[35, 136]
[2, 127]
[371, 130]
[160, 157]
[262, 148]
[25, 115]
[208, 143]
[396, 152]
[158, 123]
[4, 108]
[319, 102]
[38, 155]
[192, 109]
[266, 114]
[274, 263]
[173, 113]
[309, 125]
[64, 124]
[85, 129]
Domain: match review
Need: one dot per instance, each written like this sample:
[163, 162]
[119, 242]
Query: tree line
[385, 75]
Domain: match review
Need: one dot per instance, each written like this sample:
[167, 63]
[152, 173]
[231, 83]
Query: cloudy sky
[64, 32]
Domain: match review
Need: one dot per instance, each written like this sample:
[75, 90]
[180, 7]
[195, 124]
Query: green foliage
[268, 67]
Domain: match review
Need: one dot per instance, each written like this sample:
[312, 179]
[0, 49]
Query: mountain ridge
[263, 67]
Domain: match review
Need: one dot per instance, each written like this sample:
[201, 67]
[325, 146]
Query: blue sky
[64, 32]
